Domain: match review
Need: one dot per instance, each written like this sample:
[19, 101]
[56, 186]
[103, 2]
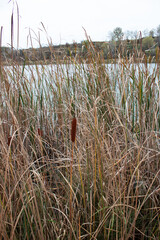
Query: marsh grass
[104, 185]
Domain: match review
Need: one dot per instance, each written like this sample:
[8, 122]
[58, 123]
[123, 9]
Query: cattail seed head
[73, 129]
[9, 140]
[40, 132]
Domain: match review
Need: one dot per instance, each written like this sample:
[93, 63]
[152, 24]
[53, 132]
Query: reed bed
[99, 180]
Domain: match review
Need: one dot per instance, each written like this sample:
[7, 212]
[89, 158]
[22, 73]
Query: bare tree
[158, 30]
[118, 33]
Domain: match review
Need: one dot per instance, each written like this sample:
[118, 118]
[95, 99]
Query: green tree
[152, 32]
[105, 49]
[147, 43]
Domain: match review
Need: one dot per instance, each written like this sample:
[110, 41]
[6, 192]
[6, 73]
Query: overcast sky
[64, 20]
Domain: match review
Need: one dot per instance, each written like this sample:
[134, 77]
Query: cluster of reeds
[98, 180]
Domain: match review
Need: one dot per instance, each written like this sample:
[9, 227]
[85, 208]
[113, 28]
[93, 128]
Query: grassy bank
[105, 184]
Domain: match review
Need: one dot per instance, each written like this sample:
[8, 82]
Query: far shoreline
[144, 60]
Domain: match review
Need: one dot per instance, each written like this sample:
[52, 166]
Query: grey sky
[64, 19]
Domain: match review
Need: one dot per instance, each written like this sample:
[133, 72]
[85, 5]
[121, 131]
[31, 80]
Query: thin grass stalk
[12, 34]
[17, 26]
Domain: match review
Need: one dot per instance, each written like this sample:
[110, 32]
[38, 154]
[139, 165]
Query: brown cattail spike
[73, 129]
[9, 140]
[40, 132]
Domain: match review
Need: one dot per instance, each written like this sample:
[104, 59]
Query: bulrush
[73, 129]
[9, 140]
[40, 132]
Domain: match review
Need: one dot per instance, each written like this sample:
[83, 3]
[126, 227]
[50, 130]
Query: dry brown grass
[104, 185]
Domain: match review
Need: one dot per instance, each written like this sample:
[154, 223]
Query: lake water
[37, 77]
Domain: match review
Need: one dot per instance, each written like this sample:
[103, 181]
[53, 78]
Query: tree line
[128, 42]
[121, 43]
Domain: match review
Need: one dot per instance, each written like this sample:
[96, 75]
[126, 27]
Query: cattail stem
[71, 170]
[73, 138]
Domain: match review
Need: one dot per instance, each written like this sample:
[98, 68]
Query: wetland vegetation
[80, 146]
